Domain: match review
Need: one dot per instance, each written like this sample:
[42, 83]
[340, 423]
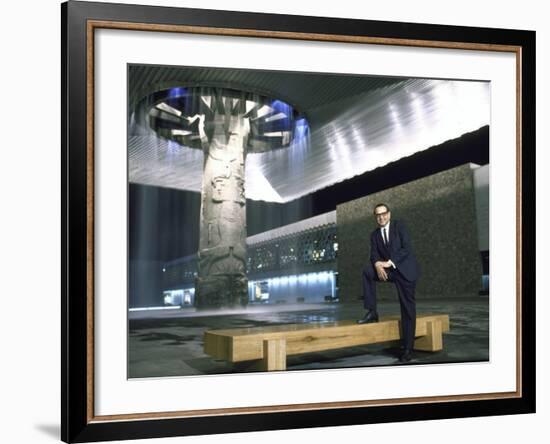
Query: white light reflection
[365, 134]
[276, 117]
[207, 100]
[153, 308]
[167, 108]
[263, 111]
[250, 105]
[177, 132]
[257, 187]
[423, 114]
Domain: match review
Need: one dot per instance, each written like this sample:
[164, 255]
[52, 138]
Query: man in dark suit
[392, 260]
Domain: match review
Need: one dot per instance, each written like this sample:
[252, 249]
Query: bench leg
[274, 355]
[433, 341]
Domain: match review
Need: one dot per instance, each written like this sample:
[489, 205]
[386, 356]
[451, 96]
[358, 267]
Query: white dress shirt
[387, 236]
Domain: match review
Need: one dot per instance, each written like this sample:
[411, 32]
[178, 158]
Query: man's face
[382, 216]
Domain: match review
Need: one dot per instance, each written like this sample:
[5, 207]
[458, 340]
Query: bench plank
[246, 344]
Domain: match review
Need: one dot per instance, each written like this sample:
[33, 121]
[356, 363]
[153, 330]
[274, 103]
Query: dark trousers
[405, 290]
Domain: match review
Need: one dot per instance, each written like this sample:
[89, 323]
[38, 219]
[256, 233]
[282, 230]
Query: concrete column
[222, 281]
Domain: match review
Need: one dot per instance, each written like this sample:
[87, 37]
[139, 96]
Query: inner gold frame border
[92, 25]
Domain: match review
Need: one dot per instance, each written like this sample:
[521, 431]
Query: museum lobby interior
[320, 150]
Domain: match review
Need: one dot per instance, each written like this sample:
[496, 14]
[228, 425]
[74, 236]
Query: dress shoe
[406, 356]
[371, 316]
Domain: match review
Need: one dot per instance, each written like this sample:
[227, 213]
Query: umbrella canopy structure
[225, 124]
[349, 125]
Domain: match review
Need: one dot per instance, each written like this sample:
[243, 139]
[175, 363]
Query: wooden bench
[270, 346]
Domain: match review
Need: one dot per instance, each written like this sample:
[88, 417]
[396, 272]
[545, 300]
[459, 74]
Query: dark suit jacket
[399, 250]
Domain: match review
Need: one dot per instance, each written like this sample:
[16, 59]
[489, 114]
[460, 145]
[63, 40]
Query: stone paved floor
[170, 343]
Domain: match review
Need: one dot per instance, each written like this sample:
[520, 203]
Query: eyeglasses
[381, 214]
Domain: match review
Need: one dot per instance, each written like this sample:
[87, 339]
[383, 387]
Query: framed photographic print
[276, 221]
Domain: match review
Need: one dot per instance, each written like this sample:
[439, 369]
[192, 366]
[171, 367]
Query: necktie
[385, 235]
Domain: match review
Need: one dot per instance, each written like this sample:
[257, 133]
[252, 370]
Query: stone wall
[440, 213]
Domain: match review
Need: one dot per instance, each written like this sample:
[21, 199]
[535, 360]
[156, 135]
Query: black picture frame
[79, 19]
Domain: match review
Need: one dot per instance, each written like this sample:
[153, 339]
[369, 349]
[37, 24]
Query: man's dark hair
[381, 205]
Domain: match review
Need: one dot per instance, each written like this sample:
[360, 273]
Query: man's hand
[380, 271]
[384, 264]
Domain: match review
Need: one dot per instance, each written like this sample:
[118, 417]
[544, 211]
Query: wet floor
[170, 342]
